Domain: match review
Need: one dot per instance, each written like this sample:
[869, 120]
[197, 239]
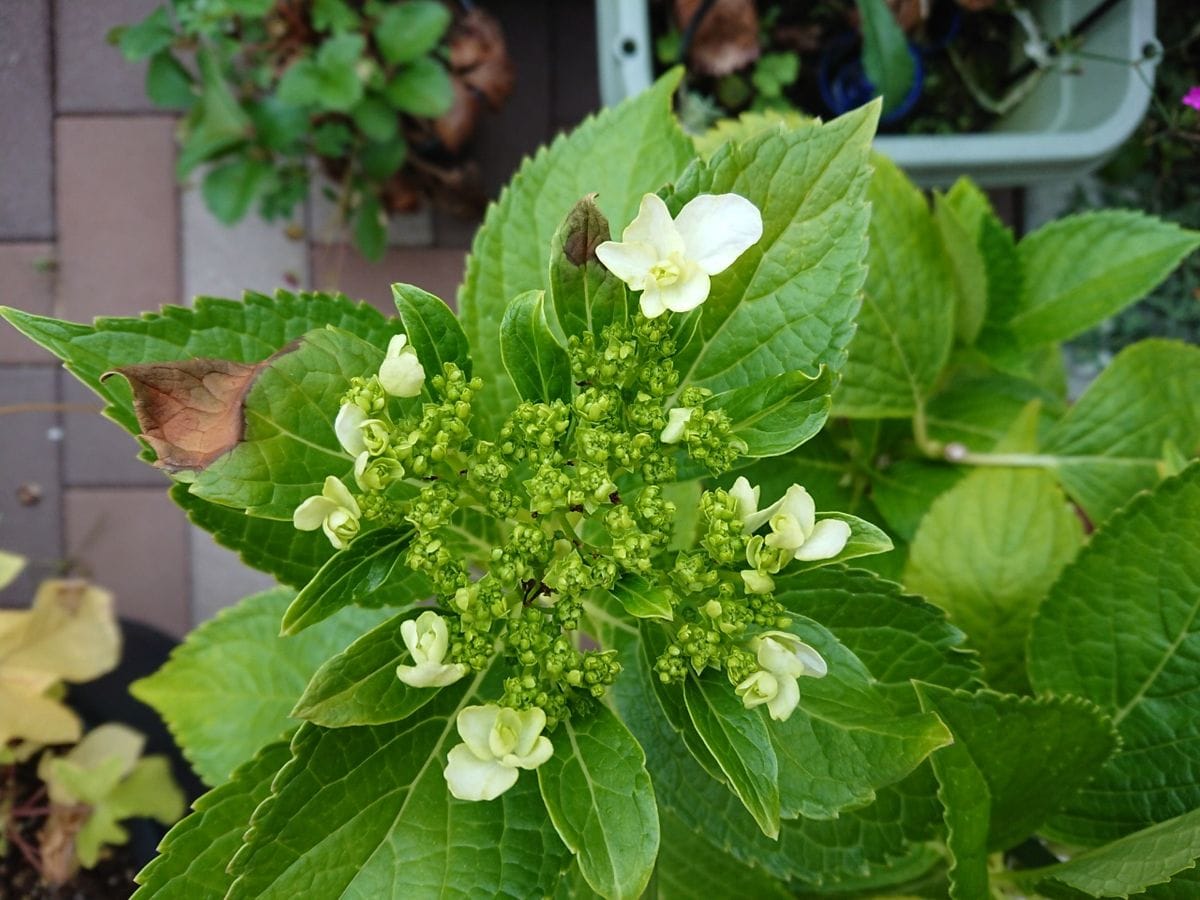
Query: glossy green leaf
[885, 56]
[906, 325]
[585, 296]
[192, 858]
[690, 868]
[967, 268]
[216, 123]
[229, 189]
[145, 38]
[406, 31]
[359, 686]
[168, 83]
[1122, 628]
[903, 492]
[366, 812]
[511, 251]
[598, 794]
[643, 599]
[370, 573]
[376, 119]
[534, 360]
[1114, 440]
[329, 80]
[433, 330]
[790, 299]
[289, 446]
[1080, 270]
[739, 741]
[777, 414]
[422, 89]
[997, 247]
[228, 689]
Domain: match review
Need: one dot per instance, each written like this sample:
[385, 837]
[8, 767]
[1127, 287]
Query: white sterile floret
[427, 640]
[348, 428]
[497, 741]
[670, 261]
[334, 510]
[677, 420]
[746, 496]
[401, 373]
[794, 528]
[784, 659]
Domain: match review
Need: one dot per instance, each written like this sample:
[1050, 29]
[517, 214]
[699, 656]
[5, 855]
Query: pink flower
[1192, 98]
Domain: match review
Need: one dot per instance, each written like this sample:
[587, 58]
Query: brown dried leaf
[727, 37]
[909, 13]
[976, 5]
[479, 57]
[455, 127]
[190, 410]
[56, 841]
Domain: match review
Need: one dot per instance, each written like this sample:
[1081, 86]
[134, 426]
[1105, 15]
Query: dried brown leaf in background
[479, 57]
[726, 38]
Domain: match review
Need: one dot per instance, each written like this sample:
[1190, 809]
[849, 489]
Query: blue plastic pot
[844, 84]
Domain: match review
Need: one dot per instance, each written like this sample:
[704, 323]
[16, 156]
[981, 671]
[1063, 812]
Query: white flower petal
[312, 512]
[775, 654]
[717, 229]
[532, 721]
[346, 427]
[340, 494]
[754, 522]
[403, 375]
[472, 778]
[798, 504]
[746, 497]
[397, 344]
[475, 726]
[630, 262]
[759, 688]
[677, 420]
[688, 292]
[814, 663]
[651, 301]
[786, 532]
[541, 751]
[430, 674]
[653, 226]
[756, 582]
[784, 703]
[827, 540]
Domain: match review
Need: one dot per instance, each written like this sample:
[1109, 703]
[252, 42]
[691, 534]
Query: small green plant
[381, 95]
[567, 607]
[65, 793]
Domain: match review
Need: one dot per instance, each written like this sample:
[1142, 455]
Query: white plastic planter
[1066, 127]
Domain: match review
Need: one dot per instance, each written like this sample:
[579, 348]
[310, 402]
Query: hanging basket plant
[383, 97]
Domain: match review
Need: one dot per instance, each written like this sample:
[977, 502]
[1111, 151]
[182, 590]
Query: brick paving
[92, 222]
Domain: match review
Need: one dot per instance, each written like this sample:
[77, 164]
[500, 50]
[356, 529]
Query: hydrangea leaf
[433, 330]
[337, 824]
[585, 296]
[993, 797]
[865, 540]
[239, 665]
[193, 857]
[359, 686]
[778, 414]
[1131, 864]
[1121, 627]
[789, 302]
[599, 796]
[289, 446]
[535, 361]
[963, 556]
[1114, 440]
[906, 326]
[997, 247]
[642, 598]
[1080, 270]
[967, 268]
[369, 573]
[904, 491]
[511, 251]
[690, 868]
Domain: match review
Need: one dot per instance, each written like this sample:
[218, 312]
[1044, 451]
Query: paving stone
[118, 216]
[29, 479]
[26, 123]
[92, 75]
[98, 452]
[27, 276]
[404, 230]
[219, 577]
[134, 542]
[435, 269]
[223, 261]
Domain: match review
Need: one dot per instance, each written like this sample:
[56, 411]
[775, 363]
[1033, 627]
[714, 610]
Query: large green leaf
[987, 552]
[511, 251]
[993, 797]
[370, 572]
[967, 266]
[359, 686]
[228, 689]
[906, 326]
[433, 330]
[245, 331]
[777, 414]
[585, 296]
[691, 868]
[365, 812]
[289, 446]
[1122, 628]
[1113, 442]
[1131, 864]
[193, 857]
[1080, 270]
[535, 361]
[997, 247]
[789, 302]
[600, 799]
